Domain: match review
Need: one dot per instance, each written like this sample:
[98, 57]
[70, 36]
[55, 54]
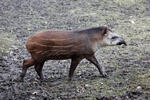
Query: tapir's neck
[96, 40]
[96, 46]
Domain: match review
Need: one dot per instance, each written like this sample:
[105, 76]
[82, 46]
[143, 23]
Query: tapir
[75, 45]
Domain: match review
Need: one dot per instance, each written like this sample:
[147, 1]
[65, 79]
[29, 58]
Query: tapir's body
[74, 45]
[57, 45]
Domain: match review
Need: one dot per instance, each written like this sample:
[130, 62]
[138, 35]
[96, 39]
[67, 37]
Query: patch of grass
[144, 79]
[6, 41]
[128, 3]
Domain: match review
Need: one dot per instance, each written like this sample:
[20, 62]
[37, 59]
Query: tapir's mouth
[122, 43]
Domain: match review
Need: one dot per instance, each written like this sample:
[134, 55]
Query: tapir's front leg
[74, 62]
[101, 69]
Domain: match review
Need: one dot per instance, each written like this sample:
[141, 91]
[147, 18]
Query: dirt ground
[128, 67]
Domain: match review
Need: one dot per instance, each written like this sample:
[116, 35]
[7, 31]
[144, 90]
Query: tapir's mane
[92, 30]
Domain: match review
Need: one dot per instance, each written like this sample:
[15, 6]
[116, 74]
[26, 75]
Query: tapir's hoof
[41, 79]
[19, 79]
[69, 79]
[104, 75]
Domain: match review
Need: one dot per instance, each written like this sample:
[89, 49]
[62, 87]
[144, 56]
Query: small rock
[35, 93]
[132, 22]
[86, 85]
[139, 87]
[101, 83]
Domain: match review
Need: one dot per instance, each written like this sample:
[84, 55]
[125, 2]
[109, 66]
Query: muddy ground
[128, 67]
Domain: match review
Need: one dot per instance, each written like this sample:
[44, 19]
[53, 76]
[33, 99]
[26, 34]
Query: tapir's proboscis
[74, 45]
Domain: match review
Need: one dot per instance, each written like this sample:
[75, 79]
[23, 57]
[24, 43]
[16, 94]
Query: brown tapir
[74, 45]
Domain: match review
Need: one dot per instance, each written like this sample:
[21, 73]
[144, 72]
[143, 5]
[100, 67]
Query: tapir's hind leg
[38, 68]
[26, 64]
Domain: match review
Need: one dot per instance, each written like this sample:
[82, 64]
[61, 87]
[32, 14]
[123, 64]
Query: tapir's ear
[105, 30]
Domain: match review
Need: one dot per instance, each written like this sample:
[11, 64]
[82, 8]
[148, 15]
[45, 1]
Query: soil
[127, 67]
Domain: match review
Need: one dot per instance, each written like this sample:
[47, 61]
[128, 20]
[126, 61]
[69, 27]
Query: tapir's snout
[122, 42]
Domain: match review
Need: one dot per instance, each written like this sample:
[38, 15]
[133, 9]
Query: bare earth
[128, 67]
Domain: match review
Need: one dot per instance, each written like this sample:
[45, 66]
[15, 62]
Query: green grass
[6, 41]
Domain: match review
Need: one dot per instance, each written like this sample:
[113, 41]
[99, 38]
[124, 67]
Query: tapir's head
[110, 38]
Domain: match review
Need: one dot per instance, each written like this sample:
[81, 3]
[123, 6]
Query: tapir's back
[56, 44]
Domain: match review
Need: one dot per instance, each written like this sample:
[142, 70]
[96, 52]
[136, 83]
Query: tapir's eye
[114, 37]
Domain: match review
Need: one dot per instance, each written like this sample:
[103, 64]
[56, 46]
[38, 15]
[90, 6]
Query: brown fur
[58, 45]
